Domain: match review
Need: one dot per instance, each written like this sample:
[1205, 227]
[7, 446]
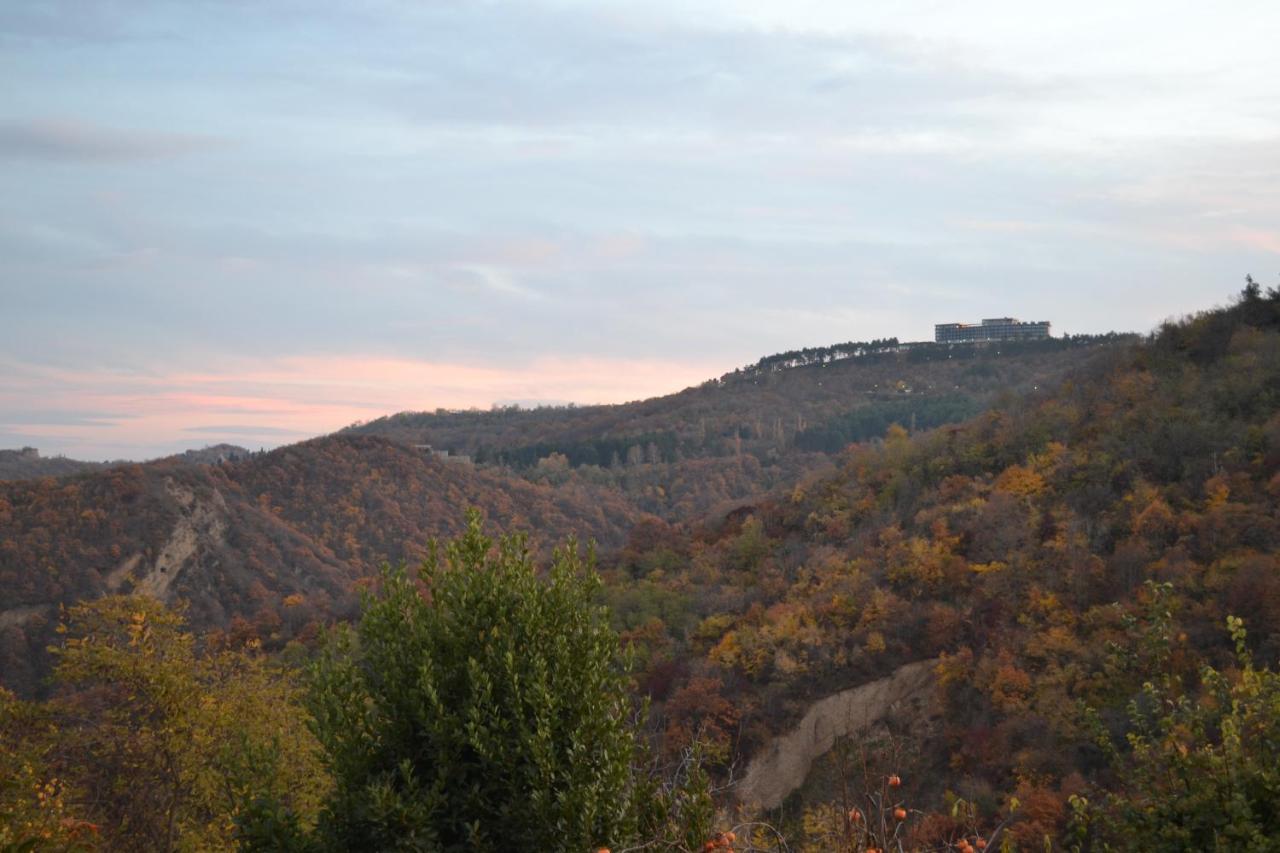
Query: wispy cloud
[293, 398]
[62, 139]
[249, 430]
[60, 417]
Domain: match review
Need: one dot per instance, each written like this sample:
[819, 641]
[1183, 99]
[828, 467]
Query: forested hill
[754, 429]
[28, 464]
[1057, 552]
[803, 398]
[278, 540]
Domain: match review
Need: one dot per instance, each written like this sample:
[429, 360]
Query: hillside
[781, 402]
[27, 464]
[279, 539]
[752, 430]
[1055, 552]
[990, 607]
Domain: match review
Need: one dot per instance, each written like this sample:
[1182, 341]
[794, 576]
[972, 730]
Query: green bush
[480, 706]
[1203, 772]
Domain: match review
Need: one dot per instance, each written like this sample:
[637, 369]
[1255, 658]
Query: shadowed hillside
[278, 539]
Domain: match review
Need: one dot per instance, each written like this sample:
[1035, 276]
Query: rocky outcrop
[783, 766]
[202, 524]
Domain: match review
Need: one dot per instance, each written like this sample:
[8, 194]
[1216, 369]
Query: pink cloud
[1254, 238]
[145, 414]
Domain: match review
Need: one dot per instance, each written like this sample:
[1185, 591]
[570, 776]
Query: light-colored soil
[19, 616]
[117, 576]
[202, 524]
[783, 766]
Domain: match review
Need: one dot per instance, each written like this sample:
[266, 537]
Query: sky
[256, 221]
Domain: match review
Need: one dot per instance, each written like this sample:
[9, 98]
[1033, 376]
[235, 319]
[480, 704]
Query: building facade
[992, 329]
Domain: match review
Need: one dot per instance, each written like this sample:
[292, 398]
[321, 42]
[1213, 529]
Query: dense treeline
[869, 352]
[916, 351]
[821, 355]
[686, 489]
[607, 452]
[871, 422]
[929, 351]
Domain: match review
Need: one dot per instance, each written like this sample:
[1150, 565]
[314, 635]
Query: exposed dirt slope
[783, 766]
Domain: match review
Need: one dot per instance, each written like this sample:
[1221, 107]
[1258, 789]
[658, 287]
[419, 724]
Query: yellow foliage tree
[165, 747]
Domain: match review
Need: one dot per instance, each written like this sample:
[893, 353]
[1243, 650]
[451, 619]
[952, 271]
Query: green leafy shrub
[1204, 768]
[480, 706]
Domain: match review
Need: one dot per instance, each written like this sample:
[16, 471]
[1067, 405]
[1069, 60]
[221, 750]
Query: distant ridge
[27, 463]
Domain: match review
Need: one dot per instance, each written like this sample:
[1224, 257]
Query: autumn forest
[870, 596]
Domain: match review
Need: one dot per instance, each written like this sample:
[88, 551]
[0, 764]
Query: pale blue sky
[261, 220]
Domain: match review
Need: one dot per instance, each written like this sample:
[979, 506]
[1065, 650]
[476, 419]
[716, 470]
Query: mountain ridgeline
[27, 464]
[751, 430]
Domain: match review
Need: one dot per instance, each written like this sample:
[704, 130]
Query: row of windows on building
[992, 329]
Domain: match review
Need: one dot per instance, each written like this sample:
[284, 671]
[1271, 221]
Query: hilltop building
[444, 455]
[993, 329]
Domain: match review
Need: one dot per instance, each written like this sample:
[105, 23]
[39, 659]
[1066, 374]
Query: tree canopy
[482, 706]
